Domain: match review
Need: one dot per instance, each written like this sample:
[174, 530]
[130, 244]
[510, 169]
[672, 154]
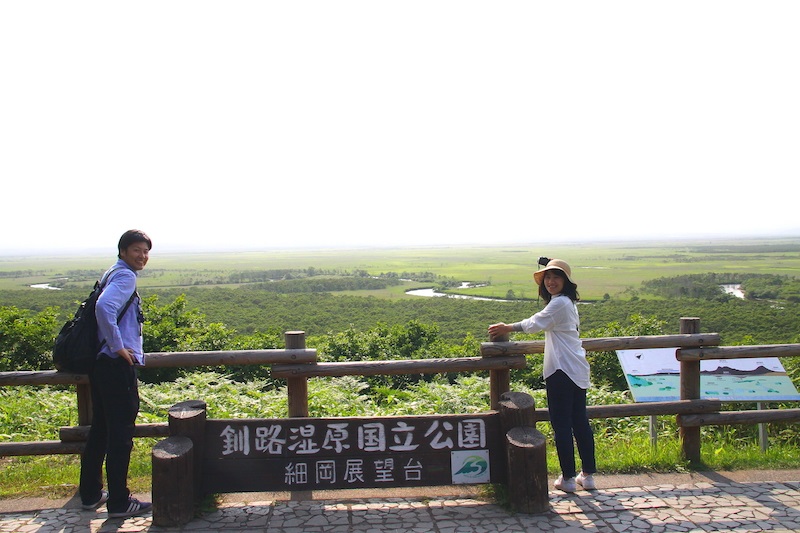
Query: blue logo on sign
[473, 466]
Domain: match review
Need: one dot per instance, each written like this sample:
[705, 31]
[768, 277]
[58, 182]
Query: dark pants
[115, 404]
[566, 403]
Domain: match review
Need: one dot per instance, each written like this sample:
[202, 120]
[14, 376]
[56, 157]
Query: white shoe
[567, 485]
[586, 481]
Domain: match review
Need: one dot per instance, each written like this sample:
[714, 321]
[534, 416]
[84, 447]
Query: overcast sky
[258, 124]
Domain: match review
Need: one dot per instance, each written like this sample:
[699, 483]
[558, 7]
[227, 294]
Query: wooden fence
[296, 364]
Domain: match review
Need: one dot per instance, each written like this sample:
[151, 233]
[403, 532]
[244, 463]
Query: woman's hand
[497, 330]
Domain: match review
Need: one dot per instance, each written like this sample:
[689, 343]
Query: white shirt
[563, 349]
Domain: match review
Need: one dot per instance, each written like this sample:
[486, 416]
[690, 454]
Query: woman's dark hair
[570, 289]
[133, 236]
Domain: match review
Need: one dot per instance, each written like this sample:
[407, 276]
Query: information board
[653, 375]
[296, 454]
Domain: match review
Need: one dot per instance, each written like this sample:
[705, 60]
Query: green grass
[613, 268]
[56, 476]
[623, 445]
[600, 268]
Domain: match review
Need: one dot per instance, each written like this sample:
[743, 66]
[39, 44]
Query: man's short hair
[132, 236]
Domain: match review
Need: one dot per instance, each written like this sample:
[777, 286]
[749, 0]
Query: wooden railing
[296, 364]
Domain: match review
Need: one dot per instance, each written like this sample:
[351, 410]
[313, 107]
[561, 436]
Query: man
[114, 383]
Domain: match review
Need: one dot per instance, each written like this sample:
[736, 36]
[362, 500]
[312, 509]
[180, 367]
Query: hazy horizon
[275, 125]
[111, 249]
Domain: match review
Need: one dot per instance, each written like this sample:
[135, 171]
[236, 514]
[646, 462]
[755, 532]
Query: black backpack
[76, 346]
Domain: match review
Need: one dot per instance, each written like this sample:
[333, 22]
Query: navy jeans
[566, 403]
[115, 404]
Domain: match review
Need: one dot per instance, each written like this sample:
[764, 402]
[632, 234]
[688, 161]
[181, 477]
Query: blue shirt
[121, 283]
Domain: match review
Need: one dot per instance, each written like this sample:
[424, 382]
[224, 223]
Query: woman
[566, 371]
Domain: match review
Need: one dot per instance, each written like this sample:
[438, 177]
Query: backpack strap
[127, 305]
[104, 280]
[103, 283]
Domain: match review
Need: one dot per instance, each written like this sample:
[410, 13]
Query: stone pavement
[694, 502]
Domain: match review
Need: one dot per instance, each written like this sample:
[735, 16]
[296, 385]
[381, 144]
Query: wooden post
[188, 419]
[84, 396]
[173, 481]
[690, 390]
[517, 409]
[297, 387]
[526, 454]
[499, 380]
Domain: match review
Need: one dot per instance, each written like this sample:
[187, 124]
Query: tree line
[708, 286]
[230, 318]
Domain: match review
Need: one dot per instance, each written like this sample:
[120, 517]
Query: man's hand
[127, 354]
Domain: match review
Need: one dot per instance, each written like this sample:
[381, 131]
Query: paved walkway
[710, 501]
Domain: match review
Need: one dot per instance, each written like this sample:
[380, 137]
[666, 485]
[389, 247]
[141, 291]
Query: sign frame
[653, 375]
[304, 453]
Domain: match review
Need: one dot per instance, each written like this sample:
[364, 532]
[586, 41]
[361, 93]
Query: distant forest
[309, 301]
[707, 286]
[347, 327]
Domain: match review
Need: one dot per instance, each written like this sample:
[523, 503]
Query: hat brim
[538, 276]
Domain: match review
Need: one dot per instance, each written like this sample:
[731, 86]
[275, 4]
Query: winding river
[732, 288]
[464, 285]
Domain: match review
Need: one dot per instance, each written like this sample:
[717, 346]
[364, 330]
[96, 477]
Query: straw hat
[553, 264]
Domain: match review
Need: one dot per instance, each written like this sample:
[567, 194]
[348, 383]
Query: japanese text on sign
[281, 439]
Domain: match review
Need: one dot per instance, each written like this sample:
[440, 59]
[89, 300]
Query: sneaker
[135, 507]
[92, 506]
[567, 485]
[586, 481]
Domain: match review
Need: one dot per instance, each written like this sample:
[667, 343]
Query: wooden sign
[297, 454]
